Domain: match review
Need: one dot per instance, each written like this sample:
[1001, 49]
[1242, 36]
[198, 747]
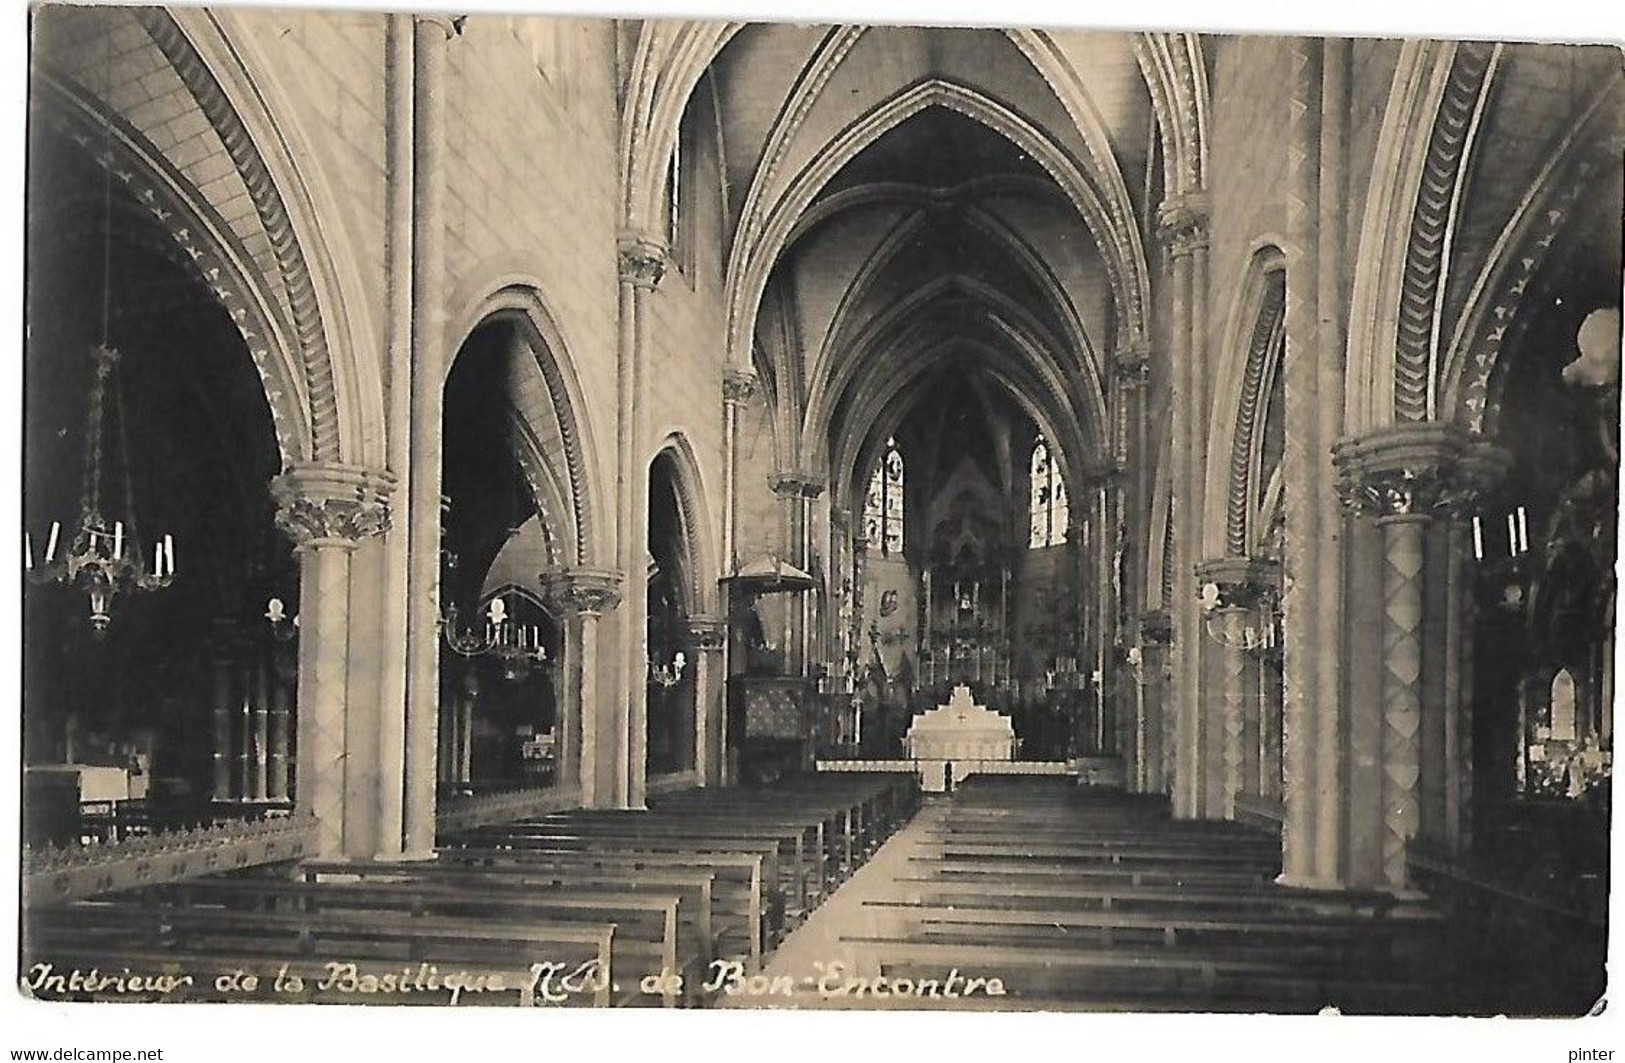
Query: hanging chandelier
[669, 675]
[516, 647]
[102, 557]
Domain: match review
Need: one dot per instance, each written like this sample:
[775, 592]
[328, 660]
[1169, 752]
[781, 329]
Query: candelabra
[669, 675]
[516, 647]
[283, 626]
[1249, 636]
[104, 558]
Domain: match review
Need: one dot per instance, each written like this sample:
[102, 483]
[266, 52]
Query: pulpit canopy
[770, 574]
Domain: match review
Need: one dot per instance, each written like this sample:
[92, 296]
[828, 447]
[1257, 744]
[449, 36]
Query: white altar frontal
[961, 733]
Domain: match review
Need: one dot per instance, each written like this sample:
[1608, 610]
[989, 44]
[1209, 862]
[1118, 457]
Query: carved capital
[738, 384]
[450, 25]
[1182, 223]
[796, 483]
[1156, 628]
[1238, 582]
[328, 504]
[641, 259]
[1419, 468]
[1132, 363]
[1100, 471]
[707, 632]
[588, 591]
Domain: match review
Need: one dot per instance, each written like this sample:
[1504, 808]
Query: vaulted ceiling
[929, 188]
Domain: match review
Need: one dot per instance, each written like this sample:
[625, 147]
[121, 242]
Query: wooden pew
[740, 892]
[148, 937]
[798, 842]
[1145, 980]
[694, 890]
[699, 851]
[1348, 935]
[646, 927]
[1091, 900]
[1014, 868]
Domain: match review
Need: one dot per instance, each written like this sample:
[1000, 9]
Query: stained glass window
[1048, 510]
[883, 503]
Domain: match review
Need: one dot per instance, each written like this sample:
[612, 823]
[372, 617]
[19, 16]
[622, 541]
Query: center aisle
[1028, 894]
[809, 956]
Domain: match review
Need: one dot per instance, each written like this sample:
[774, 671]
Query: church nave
[510, 498]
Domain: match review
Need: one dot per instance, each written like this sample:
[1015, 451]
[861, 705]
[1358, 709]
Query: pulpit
[781, 721]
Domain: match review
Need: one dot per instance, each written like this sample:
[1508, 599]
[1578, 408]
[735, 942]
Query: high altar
[961, 733]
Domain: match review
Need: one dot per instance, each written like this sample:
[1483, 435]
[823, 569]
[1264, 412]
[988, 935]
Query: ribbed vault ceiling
[940, 246]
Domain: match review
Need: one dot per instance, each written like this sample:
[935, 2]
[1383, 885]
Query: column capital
[582, 590]
[1099, 471]
[450, 25]
[707, 632]
[738, 384]
[1417, 468]
[1237, 582]
[331, 504]
[1182, 222]
[796, 483]
[1156, 628]
[1131, 363]
[641, 259]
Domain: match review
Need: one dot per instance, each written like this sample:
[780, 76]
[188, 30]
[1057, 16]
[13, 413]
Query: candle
[118, 539]
[1512, 536]
[28, 552]
[50, 545]
[1523, 530]
[1478, 539]
[169, 554]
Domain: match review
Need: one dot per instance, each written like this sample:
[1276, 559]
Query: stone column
[429, 361]
[222, 645]
[1182, 224]
[245, 730]
[1236, 593]
[1155, 635]
[286, 673]
[1269, 707]
[796, 489]
[839, 567]
[581, 595]
[1312, 837]
[738, 385]
[465, 702]
[393, 617]
[259, 746]
[1405, 478]
[1131, 369]
[1451, 624]
[1097, 594]
[327, 509]
[706, 636]
[642, 263]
